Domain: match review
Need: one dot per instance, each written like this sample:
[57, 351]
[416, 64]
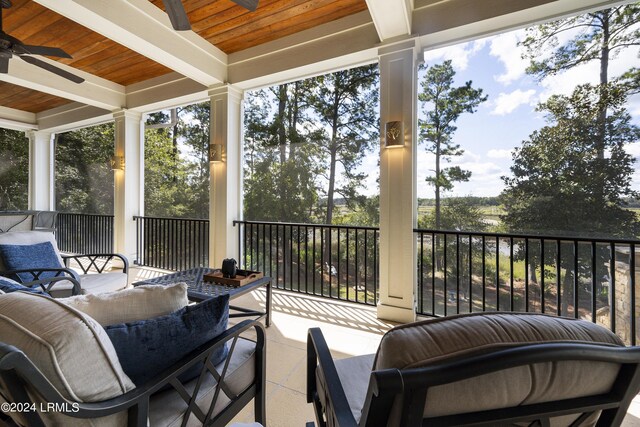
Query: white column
[398, 210]
[41, 164]
[128, 183]
[225, 188]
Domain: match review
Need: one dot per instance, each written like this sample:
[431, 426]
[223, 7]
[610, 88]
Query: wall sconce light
[117, 163]
[215, 152]
[394, 134]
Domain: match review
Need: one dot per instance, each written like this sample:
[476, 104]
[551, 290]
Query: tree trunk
[604, 80]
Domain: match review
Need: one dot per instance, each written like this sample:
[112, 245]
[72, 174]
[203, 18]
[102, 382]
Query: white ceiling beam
[72, 116]
[392, 18]
[145, 29]
[93, 91]
[10, 118]
[446, 23]
[168, 91]
[340, 44]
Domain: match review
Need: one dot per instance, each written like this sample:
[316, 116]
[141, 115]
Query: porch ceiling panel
[232, 28]
[36, 25]
[33, 101]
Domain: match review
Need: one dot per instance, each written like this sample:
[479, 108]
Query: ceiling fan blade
[177, 15]
[52, 68]
[43, 50]
[4, 65]
[252, 5]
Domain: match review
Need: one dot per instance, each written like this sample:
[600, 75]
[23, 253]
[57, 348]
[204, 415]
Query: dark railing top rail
[85, 214]
[302, 224]
[531, 236]
[169, 218]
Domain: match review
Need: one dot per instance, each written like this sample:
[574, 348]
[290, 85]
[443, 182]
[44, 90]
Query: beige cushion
[129, 305]
[167, 408]
[28, 238]
[16, 222]
[94, 283]
[70, 348]
[423, 343]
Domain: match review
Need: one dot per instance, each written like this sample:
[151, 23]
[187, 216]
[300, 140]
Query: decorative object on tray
[242, 277]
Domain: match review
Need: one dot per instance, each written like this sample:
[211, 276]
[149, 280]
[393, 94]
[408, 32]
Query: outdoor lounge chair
[95, 277]
[478, 369]
[71, 375]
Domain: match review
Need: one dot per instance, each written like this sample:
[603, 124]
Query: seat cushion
[423, 343]
[103, 282]
[71, 349]
[29, 238]
[354, 373]
[130, 305]
[147, 348]
[167, 408]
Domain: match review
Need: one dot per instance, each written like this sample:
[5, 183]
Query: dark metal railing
[334, 261]
[172, 243]
[594, 279]
[84, 233]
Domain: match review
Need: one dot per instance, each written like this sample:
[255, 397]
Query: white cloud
[504, 48]
[499, 154]
[506, 103]
[458, 54]
[633, 149]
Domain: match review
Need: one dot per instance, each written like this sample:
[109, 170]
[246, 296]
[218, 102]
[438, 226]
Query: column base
[396, 314]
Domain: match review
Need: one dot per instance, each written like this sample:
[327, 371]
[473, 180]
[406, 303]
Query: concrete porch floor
[350, 330]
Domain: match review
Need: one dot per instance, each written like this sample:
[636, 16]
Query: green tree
[444, 104]
[460, 214]
[599, 37]
[345, 103]
[14, 170]
[560, 183]
[83, 175]
[280, 155]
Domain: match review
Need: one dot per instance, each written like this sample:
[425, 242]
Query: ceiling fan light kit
[11, 46]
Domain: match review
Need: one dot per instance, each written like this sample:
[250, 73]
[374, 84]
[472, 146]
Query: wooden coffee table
[199, 290]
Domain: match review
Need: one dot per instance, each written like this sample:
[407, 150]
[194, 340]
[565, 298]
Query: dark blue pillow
[148, 347]
[8, 286]
[39, 255]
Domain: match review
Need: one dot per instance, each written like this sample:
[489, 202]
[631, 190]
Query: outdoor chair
[95, 277]
[73, 372]
[486, 369]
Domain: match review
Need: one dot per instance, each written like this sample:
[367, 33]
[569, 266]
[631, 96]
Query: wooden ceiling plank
[263, 16]
[215, 15]
[283, 29]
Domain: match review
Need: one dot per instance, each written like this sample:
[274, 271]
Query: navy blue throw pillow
[146, 348]
[8, 286]
[39, 255]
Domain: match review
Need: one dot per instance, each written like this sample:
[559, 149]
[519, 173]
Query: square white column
[41, 167]
[398, 203]
[128, 182]
[225, 188]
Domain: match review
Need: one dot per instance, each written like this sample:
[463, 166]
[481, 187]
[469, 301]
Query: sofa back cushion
[424, 343]
[27, 238]
[130, 305]
[71, 349]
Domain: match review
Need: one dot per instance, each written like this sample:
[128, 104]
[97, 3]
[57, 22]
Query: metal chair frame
[409, 387]
[18, 374]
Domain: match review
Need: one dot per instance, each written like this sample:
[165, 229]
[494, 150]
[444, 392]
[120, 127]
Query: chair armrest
[135, 401]
[93, 258]
[62, 275]
[319, 357]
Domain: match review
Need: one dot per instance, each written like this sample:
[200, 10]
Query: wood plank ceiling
[226, 25]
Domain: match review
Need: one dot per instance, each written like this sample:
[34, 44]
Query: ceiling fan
[10, 47]
[178, 16]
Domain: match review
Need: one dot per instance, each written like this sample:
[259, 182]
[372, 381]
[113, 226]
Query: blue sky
[508, 117]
